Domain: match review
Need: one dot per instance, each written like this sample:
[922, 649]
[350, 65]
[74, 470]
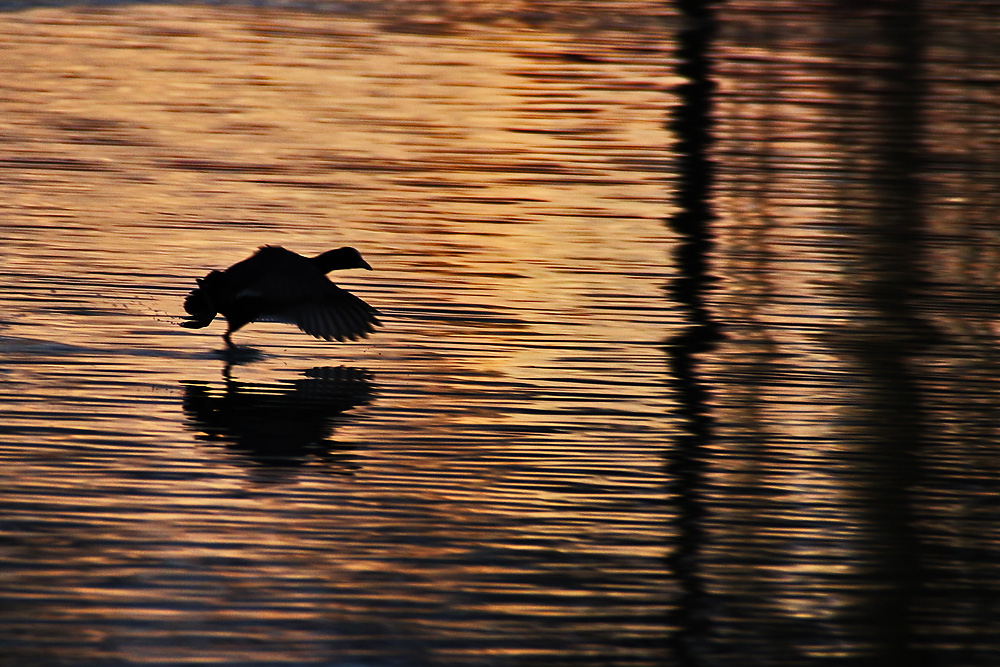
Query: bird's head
[341, 258]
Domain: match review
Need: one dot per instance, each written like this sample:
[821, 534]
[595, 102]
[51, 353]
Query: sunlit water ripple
[558, 450]
[479, 483]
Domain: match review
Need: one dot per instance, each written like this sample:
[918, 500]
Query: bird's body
[278, 285]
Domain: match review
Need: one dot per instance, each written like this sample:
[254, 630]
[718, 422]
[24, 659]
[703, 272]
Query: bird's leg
[229, 341]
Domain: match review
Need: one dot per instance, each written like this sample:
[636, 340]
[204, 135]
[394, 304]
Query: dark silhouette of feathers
[278, 285]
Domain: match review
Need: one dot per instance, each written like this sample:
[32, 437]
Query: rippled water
[844, 499]
[481, 482]
[531, 463]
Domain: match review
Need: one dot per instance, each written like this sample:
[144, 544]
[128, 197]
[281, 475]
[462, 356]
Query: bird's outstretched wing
[339, 315]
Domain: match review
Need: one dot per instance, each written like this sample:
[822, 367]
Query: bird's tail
[200, 303]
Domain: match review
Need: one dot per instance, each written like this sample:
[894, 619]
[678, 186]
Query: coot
[278, 285]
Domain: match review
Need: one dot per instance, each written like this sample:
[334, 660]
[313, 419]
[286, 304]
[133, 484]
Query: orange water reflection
[497, 490]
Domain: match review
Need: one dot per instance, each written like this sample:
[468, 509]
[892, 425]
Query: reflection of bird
[278, 285]
[279, 425]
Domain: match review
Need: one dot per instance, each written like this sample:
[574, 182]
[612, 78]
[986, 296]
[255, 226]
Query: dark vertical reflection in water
[692, 223]
[883, 349]
[846, 522]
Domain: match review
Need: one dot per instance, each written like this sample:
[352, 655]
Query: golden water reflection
[511, 472]
[485, 485]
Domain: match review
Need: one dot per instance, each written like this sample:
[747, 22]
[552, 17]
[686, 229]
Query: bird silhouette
[278, 285]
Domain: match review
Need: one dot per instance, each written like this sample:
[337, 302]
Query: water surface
[481, 482]
[542, 458]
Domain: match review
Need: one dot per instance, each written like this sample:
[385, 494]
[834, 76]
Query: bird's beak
[366, 265]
